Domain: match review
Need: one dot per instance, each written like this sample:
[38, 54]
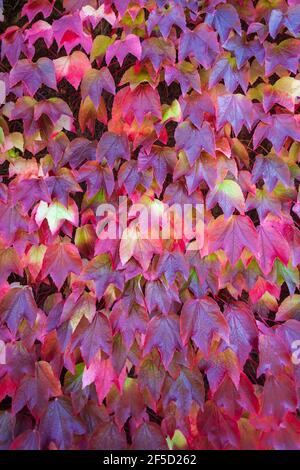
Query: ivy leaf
[79, 150]
[91, 337]
[140, 102]
[286, 53]
[275, 22]
[186, 74]
[9, 262]
[292, 18]
[272, 169]
[219, 428]
[277, 128]
[289, 308]
[264, 202]
[274, 356]
[32, 8]
[128, 320]
[28, 191]
[95, 15]
[161, 159]
[33, 74]
[94, 82]
[152, 374]
[12, 44]
[225, 19]
[72, 67]
[36, 391]
[163, 333]
[40, 30]
[187, 387]
[193, 140]
[149, 436]
[102, 373]
[101, 271]
[243, 330]
[17, 304]
[195, 106]
[61, 185]
[222, 365]
[131, 402]
[96, 176]
[170, 263]
[232, 235]
[229, 196]
[100, 45]
[68, 32]
[225, 69]
[200, 319]
[201, 43]
[261, 287]
[75, 309]
[158, 51]
[284, 92]
[235, 109]
[271, 244]
[59, 424]
[73, 386]
[130, 176]
[59, 261]
[134, 243]
[244, 50]
[27, 440]
[121, 48]
[108, 436]
[160, 296]
[279, 396]
[56, 214]
[112, 146]
[165, 19]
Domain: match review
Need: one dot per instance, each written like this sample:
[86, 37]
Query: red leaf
[72, 68]
[32, 75]
[112, 146]
[18, 303]
[243, 330]
[59, 261]
[58, 424]
[271, 244]
[120, 48]
[91, 337]
[285, 53]
[193, 140]
[33, 7]
[235, 109]
[201, 43]
[149, 436]
[232, 235]
[108, 437]
[279, 396]
[221, 430]
[200, 319]
[94, 81]
[27, 440]
[36, 391]
[163, 333]
[100, 270]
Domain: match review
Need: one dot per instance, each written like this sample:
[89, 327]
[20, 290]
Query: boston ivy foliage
[134, 342]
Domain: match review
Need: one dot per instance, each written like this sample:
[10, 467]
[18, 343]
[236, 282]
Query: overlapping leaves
[131, 342]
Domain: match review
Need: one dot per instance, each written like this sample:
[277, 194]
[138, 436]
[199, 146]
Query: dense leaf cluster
[134, 341]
